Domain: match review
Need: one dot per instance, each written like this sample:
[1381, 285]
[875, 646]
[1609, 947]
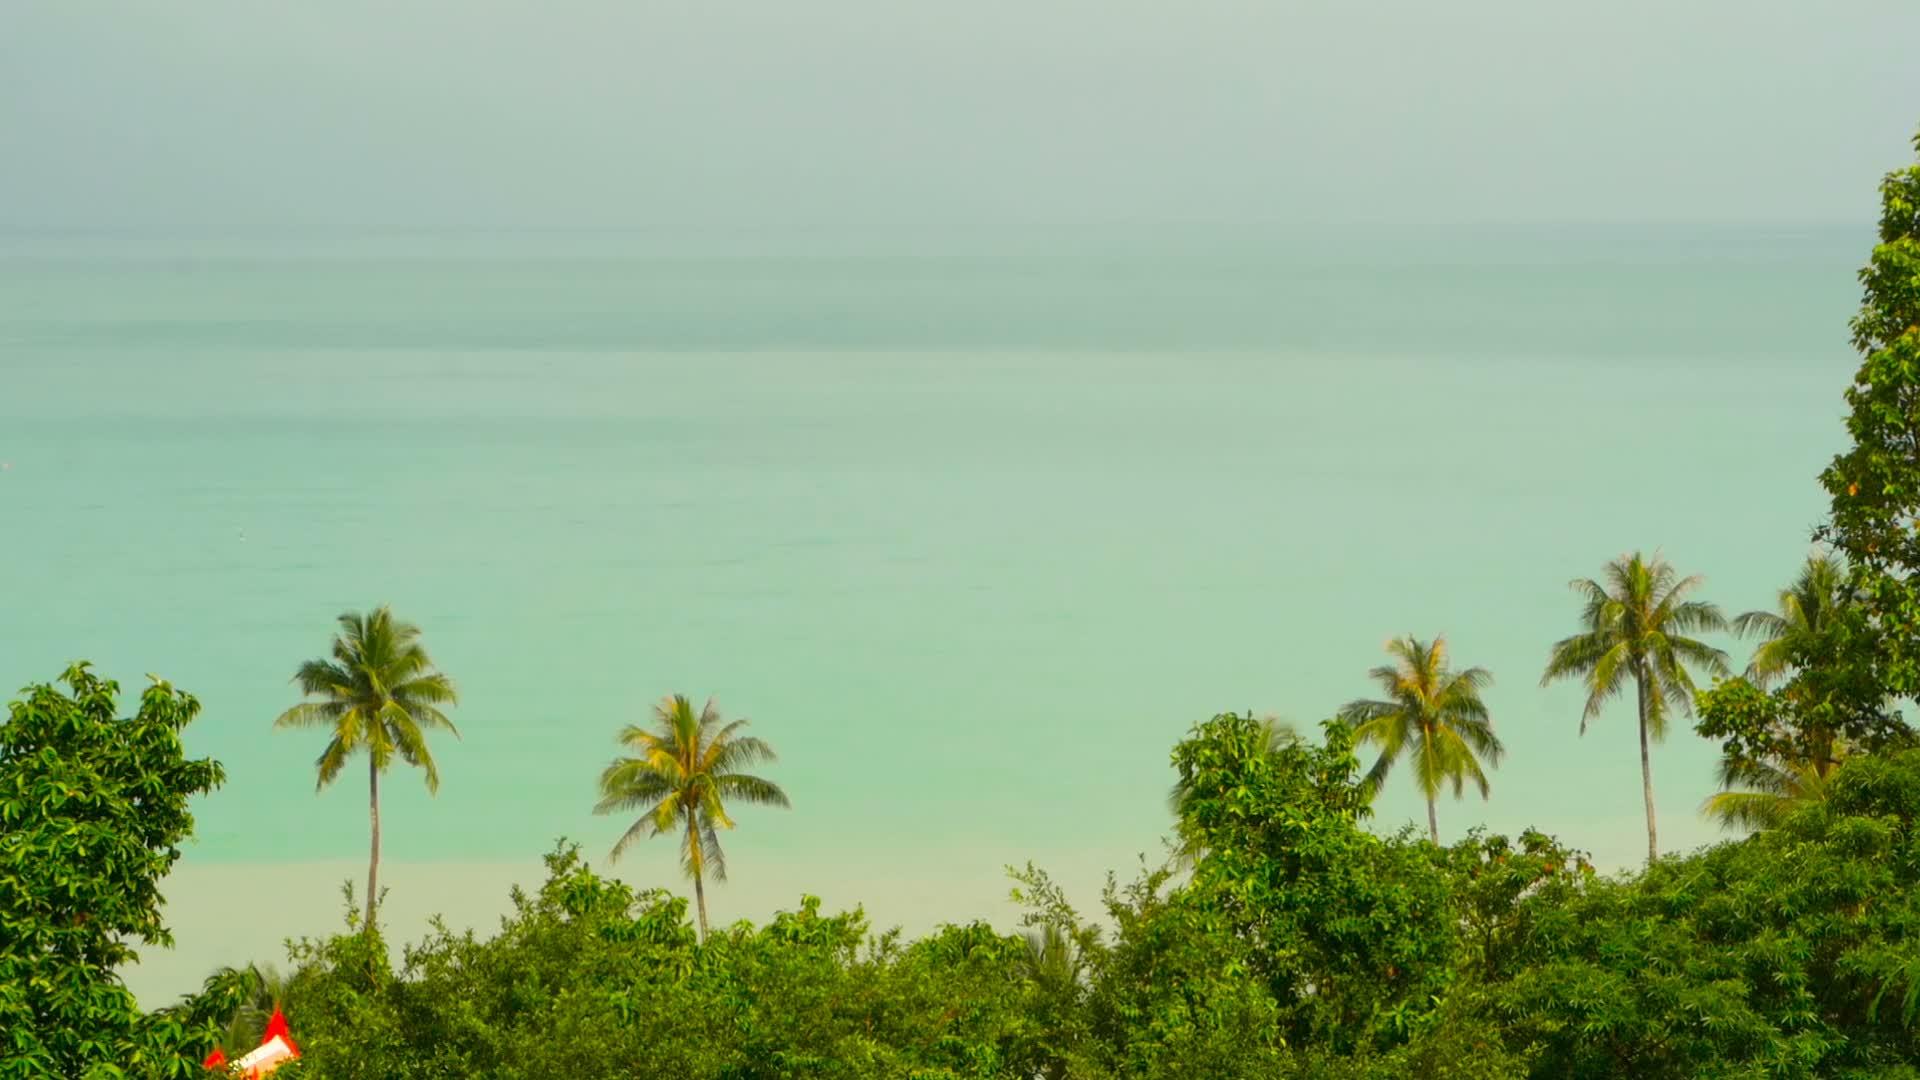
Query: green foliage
[588, 978]
[1489, 877]
[1875, 484]
[1779, 746]
[1432, 715]
[377, 696]
[1634, 626]
[93, 808]
[1791, 954]
[1285, 941]
[1298, 931]
[1773, 760]
[266, 990]
[681, 774]
[1636, 623]
[1278, 733]
[1820, 642]
[1752, 725]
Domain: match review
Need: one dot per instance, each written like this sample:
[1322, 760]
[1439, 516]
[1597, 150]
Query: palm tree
[1772, 789]
[1432, 714]
[267, 991]
[1635, 632]
[378, 695]
[683, 770]
[1187, 848]
[1052, 959]
[1808, 610]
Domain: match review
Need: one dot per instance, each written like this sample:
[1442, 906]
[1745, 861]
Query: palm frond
[750, 789]
[687, 767]
[320, 678]
[430, 718]
[733, 754]
[627, 784]
[1692, 617]
[331, 760]
[700, 850]
[1575, 656]
[406, 738]
[1434, 717]
[376, 693]
[1684, 651]
[1764, 625]
[1745, 809]
[644, 827]
[311, 714]
[1606, 678]
[429, 688]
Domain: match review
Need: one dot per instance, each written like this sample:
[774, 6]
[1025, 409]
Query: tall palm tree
[1808, 610]
[1432, 714]
[681, 774]
[1636, 620]
[1187, 848]
[1759, 795]
[378, 695]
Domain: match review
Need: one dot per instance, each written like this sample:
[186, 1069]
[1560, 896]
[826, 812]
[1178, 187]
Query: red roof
[277, 1025]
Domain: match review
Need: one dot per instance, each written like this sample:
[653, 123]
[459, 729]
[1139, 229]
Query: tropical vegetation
[1432, 715]
[1635, 621]
[377, 696]
[1287, 940]
[680, 776]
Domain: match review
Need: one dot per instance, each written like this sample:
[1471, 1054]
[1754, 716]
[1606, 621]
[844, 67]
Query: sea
[973, 525]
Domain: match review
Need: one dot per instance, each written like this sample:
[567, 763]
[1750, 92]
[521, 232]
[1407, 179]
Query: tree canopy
[93, 810]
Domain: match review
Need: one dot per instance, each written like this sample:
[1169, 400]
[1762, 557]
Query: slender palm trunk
[1822, 753]
[373, 815]
[1646, 774]
[699, 886]
[1430, 783]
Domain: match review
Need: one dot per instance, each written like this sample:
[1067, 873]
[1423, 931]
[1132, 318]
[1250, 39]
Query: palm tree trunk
[373, 815]
[1433, 823]
[699, 886]
[1646, 774]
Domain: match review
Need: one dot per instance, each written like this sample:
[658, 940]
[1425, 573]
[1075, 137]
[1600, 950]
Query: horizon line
[338, 227]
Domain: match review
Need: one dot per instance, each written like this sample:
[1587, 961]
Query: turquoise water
[971, 537]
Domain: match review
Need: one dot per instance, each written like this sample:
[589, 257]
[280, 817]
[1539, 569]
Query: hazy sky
[636, 112]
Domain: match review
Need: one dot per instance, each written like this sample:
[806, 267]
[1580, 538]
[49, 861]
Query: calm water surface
[971, 537]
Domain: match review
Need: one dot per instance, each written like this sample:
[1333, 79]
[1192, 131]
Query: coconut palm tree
[1186, 847]
[683, 771]
[1431, 714]
[1635, 621]
[1759, 795]
[378, 695]
[1052, 958]
[266, 991]
[1055, 963]
[1808, 610]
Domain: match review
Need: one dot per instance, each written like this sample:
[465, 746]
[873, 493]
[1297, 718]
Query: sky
[600, 113]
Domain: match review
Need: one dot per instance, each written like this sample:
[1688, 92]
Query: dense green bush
[93, 808]
[587, 978]
[1300, 946]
